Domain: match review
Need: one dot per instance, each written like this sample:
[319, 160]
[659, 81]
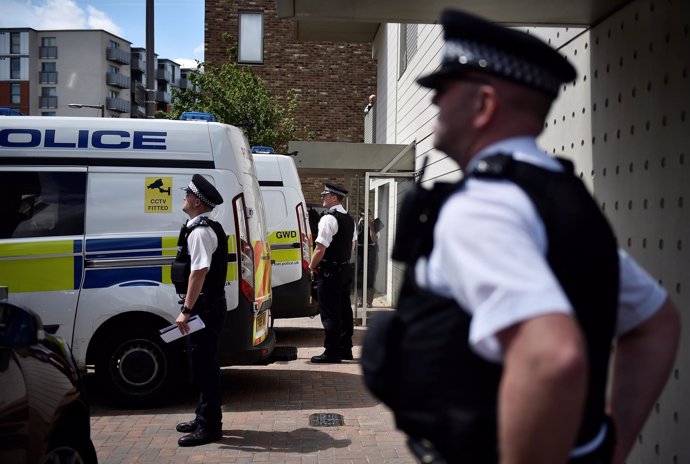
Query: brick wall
[332, 80]
[6, 97]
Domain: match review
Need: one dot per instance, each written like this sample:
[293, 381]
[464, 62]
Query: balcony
[47, 52]
[137, 64]
[117, 55]
[117, 80]
[117, 104]
[47, 102]
[139, 94]
[163, 75]
[47, 77]
[370, 126]
[163, 97]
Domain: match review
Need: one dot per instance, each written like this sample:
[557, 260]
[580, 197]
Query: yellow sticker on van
[158, 195]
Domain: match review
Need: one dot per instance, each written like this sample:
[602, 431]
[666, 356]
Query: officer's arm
[642, 363]
[317, 256]
[196, 282]
[542, 391]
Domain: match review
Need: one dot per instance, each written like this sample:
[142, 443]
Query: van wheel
[136, 368]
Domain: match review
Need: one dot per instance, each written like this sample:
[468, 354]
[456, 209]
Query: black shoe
[325, 358]
[346, 355]
[200, 437]
[187, 427]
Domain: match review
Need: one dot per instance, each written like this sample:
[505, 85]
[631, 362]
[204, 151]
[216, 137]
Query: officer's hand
[182, 323]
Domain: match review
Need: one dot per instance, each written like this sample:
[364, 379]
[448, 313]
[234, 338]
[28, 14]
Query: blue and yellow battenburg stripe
[58, 265]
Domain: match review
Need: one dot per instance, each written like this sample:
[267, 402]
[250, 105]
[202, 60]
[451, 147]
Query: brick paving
[266, 415]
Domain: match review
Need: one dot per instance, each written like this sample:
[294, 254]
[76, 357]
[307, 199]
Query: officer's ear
[486, 105]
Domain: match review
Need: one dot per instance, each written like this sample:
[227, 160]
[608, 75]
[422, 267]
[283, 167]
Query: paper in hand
[173, 332]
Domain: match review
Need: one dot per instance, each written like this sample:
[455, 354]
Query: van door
[41, 241]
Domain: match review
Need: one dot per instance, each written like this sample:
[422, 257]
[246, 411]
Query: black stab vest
[214, 283]
[418, 361]
[340, 249]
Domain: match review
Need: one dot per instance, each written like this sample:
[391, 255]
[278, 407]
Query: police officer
[330, 264]
[526, 269]
[204, 249]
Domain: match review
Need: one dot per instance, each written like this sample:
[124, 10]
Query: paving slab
[266, 413]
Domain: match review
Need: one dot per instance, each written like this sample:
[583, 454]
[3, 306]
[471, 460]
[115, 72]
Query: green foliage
[234, 95]
[162, 115]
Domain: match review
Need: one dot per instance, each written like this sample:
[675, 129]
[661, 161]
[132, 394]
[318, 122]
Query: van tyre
[135, 368]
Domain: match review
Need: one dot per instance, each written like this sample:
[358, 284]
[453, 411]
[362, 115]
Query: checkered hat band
[335, 191]
[198, 194]
[491, 59]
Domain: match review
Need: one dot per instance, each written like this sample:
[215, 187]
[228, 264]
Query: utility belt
[208, 302]
[328, 268]
[599, 450]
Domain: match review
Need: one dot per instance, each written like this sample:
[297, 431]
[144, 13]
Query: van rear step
[283, 353]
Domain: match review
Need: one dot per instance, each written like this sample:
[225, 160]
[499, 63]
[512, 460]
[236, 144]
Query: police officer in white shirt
[330, 264]
[523, 255]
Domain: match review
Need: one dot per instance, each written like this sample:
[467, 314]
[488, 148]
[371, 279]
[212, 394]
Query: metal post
[365, 250]
[149, 59]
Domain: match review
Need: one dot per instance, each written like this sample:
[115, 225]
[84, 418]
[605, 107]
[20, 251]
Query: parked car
[44, 415]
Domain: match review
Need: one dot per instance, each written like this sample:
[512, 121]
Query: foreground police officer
[203, 246]
[330, 263]
[505, 324]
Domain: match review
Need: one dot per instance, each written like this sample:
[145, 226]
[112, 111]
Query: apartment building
[332, 79]
[43, 72]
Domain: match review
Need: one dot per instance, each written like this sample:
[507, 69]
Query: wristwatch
[186, 310]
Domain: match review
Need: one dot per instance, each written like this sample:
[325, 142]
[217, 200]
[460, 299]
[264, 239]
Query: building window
[48, 48]
[48, 113]
[251, 37]
[15, 43]
[48, 74]
[113, 94]
[15, 68]
[113, 69]
[48, 97]
[408, 45]
[16, 92]
[113, 44]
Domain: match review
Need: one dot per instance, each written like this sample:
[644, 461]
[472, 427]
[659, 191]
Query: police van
[289, 235]
[91, 211]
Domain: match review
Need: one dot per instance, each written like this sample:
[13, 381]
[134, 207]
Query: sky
[179, 24]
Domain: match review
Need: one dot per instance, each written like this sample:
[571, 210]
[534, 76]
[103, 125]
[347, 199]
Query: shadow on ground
[303, 440]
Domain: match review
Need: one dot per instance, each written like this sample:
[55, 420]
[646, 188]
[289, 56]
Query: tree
[234, 95]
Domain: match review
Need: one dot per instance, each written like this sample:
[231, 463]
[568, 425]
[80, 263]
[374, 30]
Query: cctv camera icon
[158, 184]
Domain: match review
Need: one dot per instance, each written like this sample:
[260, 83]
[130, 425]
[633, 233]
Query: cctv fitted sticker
[158, 195]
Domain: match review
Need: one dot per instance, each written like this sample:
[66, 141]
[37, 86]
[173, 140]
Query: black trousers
[333, 290]
[202, 347]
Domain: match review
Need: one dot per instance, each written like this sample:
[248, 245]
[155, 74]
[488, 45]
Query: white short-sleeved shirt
[201, 243]
[489, 255]
[328, 227]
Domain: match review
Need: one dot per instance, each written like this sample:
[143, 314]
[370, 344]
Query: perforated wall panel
[625, 124]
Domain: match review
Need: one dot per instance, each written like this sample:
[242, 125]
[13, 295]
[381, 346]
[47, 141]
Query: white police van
[289, 235]
[91, 211]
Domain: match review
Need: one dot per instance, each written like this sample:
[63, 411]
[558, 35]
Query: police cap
[335, 189]
[474, 44]
[204, 191]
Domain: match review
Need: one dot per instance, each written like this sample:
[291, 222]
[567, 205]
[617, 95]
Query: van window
[41, 204]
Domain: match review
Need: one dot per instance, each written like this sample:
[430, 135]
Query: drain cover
[325, 419]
